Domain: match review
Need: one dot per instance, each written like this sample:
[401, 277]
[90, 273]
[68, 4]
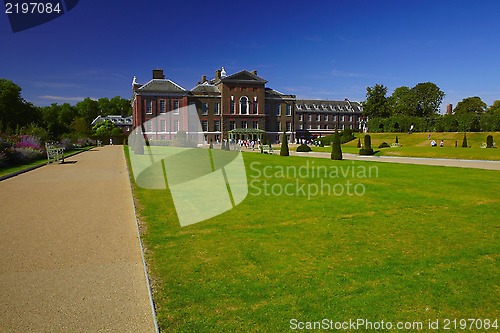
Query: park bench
[267, 149]
[394, 145]
[54, 154]
[99, 143]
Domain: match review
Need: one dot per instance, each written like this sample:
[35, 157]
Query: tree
[428, 99]
[489, 141]
[284, 145]
[494, 108]
[336, 147]
[80, 126]
[104, 128]
[376, 104]
[14, 110]
[367, 148]
[88, 109]
[470, 105]
[403, 101]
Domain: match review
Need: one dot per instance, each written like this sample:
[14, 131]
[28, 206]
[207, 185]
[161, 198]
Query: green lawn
[417, 145]
[421, 243]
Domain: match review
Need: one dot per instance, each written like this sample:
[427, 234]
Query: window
[216, 125]
[204, 109]
[326, 117]
[319, 126]
[162, 106]
[231, 106]
[301, 117]
[288, 126]
[149, 107]
[309, 117]
[327, 127]
[204, 125]
[232, 125]
[342, 118]
[301, 126]
[216, 108]
[278, 110]
[309, 126]
[244, 105]
[176, 126]
[255, 124]
[350, 118]
[255, 109]
[244, 124]
[288, 110]
[176, 107]
[163, 125]
[149, 126]
[318, 117]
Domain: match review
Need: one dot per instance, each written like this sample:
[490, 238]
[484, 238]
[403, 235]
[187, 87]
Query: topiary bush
[336, 148]
[359, 143]
[464, 142]
[303, 148]
[367, 148]
[384, 145]
[489, 141]
[284, 145]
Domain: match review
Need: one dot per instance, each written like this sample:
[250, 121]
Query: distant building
[449, 109]
[239, 101]
[124, 123]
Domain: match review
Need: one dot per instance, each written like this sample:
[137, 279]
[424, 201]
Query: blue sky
[313, 49]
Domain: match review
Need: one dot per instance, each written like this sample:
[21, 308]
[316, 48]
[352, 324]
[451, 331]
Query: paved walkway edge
[145, 267]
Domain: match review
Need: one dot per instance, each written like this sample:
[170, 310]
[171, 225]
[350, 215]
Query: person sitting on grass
[441, 144]
[433, 143]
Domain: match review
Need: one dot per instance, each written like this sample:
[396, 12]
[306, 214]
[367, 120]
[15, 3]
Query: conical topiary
[464, 142]
[284, 145]
[397, 140]
[336, 147]
[359, 143]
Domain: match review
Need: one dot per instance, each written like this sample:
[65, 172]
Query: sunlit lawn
[421, 243]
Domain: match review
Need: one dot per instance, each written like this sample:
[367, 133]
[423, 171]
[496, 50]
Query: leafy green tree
[494, 108]
[104, 128]
[376, 104]
[80, 126]
[14, 110]
[428, 99]
[88, 109]
[403, 101]
[336, 147]
[284, 145]
[470, 105]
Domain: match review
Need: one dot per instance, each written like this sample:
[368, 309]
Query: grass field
[417, 145]
[419, 243]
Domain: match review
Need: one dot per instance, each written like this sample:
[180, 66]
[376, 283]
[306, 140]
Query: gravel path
[70, 256]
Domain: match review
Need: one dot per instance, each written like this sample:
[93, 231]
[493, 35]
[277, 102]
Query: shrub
[336, 148]
[303, 148]
[284, 145]
[384, 145]
[464, 142]
[28, 141]
[367, 148]
[4, 160]
[397, 140]
[359, 143]
[489, 141]
[23, 155]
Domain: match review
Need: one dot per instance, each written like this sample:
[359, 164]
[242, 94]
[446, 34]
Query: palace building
[239, 101]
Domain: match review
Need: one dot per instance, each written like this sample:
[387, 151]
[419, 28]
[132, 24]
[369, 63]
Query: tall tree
[494, 108]
[403, 101]
[429, 98]
[470, 105]
[88, 109]
[14, 110]
[376, 104]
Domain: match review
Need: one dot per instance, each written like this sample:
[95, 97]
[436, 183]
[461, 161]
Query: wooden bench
[395, 145]
[54, 154]
[267, 149]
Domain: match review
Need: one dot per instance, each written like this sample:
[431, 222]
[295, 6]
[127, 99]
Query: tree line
[419, 107]
[55, 121]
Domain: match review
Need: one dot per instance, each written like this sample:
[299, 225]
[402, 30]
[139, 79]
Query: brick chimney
[217, 75]
[449, 109]
[254, 72]
[203, 79]
[158, 74]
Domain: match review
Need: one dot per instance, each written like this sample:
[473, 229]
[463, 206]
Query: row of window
[325, 127]
[164, 106]
[325, 107]
[327, 117]
[161, 126]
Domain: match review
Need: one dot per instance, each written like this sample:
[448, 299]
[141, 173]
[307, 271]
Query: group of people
[434, 143]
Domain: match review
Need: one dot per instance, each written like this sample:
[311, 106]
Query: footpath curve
[70, 255]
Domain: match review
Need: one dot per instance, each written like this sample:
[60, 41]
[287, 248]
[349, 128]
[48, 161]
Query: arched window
[243, 105]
